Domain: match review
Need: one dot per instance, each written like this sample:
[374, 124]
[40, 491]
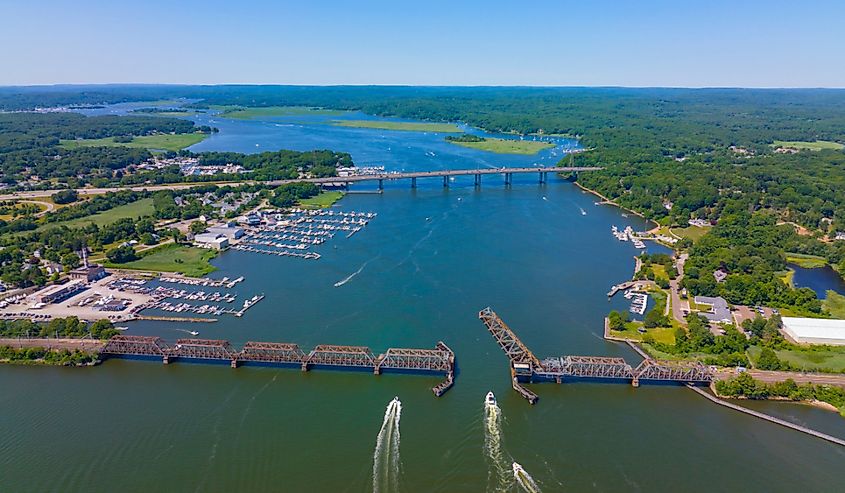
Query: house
[720, 275]
[719, 311]
[89, 273]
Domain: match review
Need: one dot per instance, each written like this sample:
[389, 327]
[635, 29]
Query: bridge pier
[635, 382]
[445, 181]
[414, 182]
[234, 363]
[381, 184]
[508, 179]
[542, 177]
[477, 180]
[165, 359]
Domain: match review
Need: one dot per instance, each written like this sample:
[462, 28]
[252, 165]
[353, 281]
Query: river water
[541, 255]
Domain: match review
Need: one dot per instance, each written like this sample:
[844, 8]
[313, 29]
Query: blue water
[819, 280]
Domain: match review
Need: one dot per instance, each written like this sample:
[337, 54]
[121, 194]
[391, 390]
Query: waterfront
[541, 256]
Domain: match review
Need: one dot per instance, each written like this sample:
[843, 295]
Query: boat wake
[386, 461]
[350, 276]
[524, 480]
[498, 478]
[583, 212]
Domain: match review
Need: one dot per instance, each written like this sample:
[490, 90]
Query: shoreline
[607, 201]
[813, 402]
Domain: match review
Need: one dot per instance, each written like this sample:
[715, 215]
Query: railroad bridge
[526, 367]
[440, 360]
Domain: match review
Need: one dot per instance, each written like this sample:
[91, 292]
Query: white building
[230, 232]
[814, 330]
[211, 240]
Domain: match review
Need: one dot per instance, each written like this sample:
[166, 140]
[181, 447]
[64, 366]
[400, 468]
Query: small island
[406, 126]
[499, 146]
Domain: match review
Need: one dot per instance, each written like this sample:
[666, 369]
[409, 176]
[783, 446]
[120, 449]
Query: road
[679, 305]
[69, 344]
[319, 181]
[780, 376]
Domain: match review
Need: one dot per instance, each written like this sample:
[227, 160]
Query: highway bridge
[526, 367]
[380, 178]
[440, 360]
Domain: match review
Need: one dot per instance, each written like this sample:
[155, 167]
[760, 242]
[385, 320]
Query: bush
[65, 197]
[122, 254]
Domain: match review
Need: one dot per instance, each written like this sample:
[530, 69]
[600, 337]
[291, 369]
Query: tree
[65, 196]
[122, 254]
[655, 318]
[617, 320]
[768, 360]
[197, 227]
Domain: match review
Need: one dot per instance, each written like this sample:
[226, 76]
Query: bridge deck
[441, 359]
[525, 365]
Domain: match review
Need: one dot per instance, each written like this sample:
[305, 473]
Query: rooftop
[814, 328]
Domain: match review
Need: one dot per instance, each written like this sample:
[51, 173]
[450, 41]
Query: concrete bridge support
[445, 182]
[381, 185]
[478, 180]
[542, 177]
[413, 183]
[508, 179]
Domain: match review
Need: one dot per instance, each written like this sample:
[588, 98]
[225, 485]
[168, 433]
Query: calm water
[819, 280]
[425, 266]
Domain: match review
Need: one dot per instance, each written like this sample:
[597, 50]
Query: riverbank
[607, 201]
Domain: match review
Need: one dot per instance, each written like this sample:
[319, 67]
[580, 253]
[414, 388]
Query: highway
[337, 180]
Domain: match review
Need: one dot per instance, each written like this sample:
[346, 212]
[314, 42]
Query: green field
[809, 146]
[835, 304]
[407, 126]
[665, 335]
[164, 142]
[691, 232]
[190, 261]
[143, 207]
[787, 277]
[806, 261]
[813, 358]
[321, 201]
[271, 111]
[506, 146]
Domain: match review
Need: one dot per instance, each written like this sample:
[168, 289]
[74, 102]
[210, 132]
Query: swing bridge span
[526, 367]
[440, 360]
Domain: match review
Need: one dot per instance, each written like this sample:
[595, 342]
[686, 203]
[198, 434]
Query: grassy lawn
[787, 277]
[407, 126]
[506, 146]
[271, 111]
[190, 261]
[691, 232]
[835, 304]
[137, 209]
[321, 201]
[814, 358]
[660, 334]
[809, 146]
[806, 261]
[164, 142]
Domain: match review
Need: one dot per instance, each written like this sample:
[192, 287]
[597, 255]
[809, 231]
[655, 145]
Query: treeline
[464, 138]
[745, 386]
[289, 194]
[66, 328]
[40, 355]
[282, 165]
[30, 144]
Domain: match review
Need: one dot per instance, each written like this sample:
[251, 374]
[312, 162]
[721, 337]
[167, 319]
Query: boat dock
[440, 360]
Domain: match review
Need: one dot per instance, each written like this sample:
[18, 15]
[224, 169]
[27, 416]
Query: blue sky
[686, 43]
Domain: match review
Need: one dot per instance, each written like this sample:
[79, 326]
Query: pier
[526, 367]
[440, 360]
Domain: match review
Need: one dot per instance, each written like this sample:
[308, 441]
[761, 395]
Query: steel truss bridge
[440, 360]
[524, 366]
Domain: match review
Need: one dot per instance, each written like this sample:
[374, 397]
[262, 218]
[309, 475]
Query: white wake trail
[498, 477]
[386, 460]
[350, 276]
[524, 479]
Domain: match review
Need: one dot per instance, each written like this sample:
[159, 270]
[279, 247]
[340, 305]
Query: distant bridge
[441, 359]
[331, 180]
[525, 366]
[542, 173]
